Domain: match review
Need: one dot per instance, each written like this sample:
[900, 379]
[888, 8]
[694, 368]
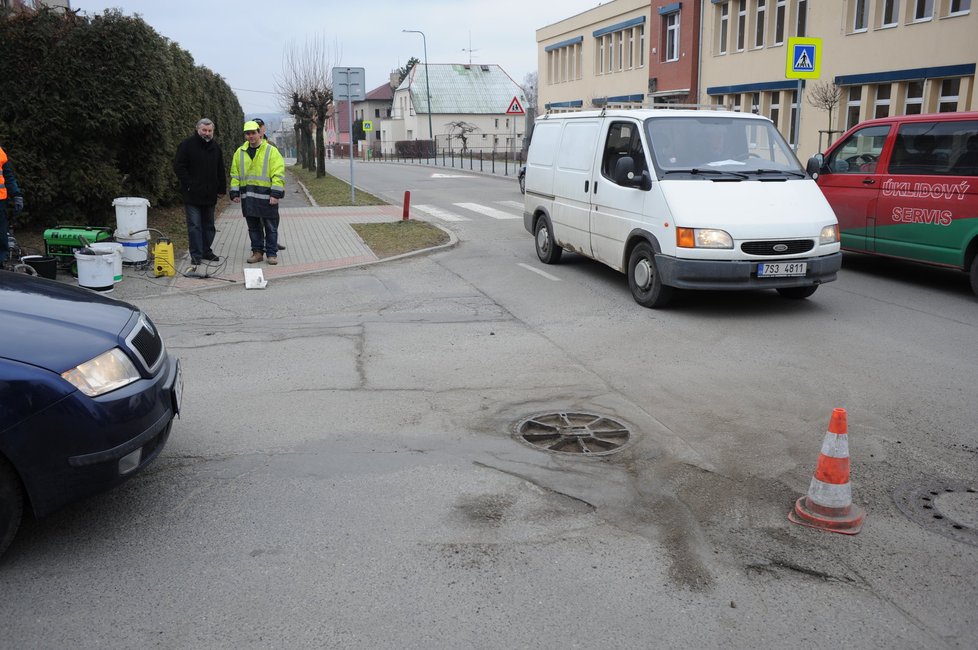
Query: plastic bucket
[116, 249]
[46, 267]
[134, 249]
[130, 216]
[95, 270]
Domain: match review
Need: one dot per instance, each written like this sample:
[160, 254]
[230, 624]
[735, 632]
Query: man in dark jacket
[199, 165]
[9, 193]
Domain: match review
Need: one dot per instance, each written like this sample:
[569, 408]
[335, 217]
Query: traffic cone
[828, 504]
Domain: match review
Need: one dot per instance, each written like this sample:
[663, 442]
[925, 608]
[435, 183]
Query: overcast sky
[244, 40]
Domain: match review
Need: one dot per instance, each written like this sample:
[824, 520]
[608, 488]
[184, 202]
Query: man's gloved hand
[18, 202]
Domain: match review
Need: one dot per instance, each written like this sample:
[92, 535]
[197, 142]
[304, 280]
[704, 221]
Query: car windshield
[694, 146]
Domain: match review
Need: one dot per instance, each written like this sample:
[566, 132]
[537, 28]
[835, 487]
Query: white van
[681, 199]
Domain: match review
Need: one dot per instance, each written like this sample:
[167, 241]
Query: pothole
[948, 508]
[564, 432]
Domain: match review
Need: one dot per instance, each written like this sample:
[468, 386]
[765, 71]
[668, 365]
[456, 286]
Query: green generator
[62, 242]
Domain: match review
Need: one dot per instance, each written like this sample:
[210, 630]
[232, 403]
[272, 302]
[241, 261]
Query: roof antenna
[469, 48]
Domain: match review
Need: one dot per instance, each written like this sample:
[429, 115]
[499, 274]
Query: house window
[641, 45]
[780, 8]
[853, 106]
[672, 37]
[959, 7]
[759, 17]
[890, 13]
[755, 103]
[610, 52]
[801, 18]
[735, 102]
[599, 58]
[718, 100]
[923, 10]
[948, 103]
[741, 24]
[724, 28]
[631, 49]
[915, 98]
[619, 47]
[775, 113]
[881, 108]
[859, 15]
[376, 112]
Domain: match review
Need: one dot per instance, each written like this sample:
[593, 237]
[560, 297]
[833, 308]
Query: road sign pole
[798, 116]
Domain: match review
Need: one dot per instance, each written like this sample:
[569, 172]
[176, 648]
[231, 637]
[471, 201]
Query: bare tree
[530, 90]
[461, 129]
[306, 86]
[825, 96]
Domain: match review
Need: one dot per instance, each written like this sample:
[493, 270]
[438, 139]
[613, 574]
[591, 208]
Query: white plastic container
[115, 248]
[95, 270]
[134, 248]
[130, 216]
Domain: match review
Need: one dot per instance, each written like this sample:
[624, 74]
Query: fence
[502, 163]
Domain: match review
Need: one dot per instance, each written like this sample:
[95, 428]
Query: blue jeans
[200, 230]
[263, 232]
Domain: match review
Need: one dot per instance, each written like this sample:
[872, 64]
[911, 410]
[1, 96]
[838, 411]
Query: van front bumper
[741, 274]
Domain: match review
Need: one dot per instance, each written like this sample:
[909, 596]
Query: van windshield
[696, 146]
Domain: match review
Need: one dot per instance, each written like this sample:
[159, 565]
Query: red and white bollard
[407, 206]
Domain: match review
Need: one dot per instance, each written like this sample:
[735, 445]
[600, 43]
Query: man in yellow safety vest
[9, 190]
[258, 183]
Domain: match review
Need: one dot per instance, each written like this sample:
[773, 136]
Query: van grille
[786, 247]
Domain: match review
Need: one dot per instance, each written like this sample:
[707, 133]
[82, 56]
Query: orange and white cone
[828, 504]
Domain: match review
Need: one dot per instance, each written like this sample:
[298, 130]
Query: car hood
[57, 326]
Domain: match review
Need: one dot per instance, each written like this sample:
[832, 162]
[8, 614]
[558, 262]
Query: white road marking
[449, 176]
[511, 204]
[486, 210]
[438, 213]
[539, 272]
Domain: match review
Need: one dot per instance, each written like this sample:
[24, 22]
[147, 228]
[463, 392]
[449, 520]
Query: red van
[907, 187]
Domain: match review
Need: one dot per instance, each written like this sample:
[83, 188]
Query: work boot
[273, 260]
[256, 256]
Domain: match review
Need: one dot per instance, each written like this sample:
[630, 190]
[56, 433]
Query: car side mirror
[814, 166]
[625, 174]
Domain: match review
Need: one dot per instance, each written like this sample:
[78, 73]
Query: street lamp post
[427, 85]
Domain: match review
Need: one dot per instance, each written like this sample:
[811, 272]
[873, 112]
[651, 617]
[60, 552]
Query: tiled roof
[461, 88]
[381, 93]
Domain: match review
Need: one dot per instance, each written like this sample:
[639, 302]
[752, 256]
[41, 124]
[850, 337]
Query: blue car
[88, 395]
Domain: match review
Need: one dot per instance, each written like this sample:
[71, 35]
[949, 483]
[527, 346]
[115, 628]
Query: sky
[244, 41]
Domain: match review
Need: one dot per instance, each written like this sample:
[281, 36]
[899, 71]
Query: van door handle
[585, 186]
[595, 187]
[868, 181]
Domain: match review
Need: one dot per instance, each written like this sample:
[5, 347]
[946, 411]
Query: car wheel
[644, 279]
[797, 293]
[547, 249]
[11, 504]
[523, 183]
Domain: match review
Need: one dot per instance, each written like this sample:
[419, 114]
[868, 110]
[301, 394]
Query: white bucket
[130, 215]
[95, 271]
[116, 249]
[134, 249]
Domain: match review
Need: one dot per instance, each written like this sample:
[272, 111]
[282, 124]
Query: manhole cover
[948, 508]
[573, 433]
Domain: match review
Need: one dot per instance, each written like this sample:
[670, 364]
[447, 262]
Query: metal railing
[502, 163]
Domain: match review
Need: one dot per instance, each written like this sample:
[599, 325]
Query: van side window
[860, 151]
[623, 141]
[935, 149]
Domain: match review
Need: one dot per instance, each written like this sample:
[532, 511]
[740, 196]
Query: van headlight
[829, 235]
[703, 238]
[104, 373]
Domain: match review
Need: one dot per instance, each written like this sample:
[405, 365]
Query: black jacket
[199, 166]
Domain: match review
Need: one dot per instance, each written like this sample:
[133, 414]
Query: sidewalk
[316, 239]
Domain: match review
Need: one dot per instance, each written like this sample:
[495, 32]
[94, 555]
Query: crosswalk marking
[539, 272]
[486, 210]
[512, 204]
[438, 213]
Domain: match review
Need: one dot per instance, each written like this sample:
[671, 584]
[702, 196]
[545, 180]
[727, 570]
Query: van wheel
[11, 504]
[974, 275]
[644, 280]
[798, 293]
[547, 250]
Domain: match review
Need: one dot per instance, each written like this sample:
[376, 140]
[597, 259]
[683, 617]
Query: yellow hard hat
[251, 125]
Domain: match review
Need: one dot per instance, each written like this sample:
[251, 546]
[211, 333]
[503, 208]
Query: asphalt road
[345, 473]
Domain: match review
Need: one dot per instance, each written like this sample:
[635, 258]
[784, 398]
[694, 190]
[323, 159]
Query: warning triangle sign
[804, 62]
[515, 108]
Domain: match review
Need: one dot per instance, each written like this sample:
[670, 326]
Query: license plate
[781, 269]
[177, 389]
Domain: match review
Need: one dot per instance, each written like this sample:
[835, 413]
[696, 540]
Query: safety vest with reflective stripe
[3, 182]
[256, 180]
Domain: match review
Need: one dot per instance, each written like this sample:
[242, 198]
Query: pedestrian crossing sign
[804, 58]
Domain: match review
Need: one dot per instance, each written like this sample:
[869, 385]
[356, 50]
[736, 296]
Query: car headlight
[703, 238]
[829, 235]
[104, 373]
